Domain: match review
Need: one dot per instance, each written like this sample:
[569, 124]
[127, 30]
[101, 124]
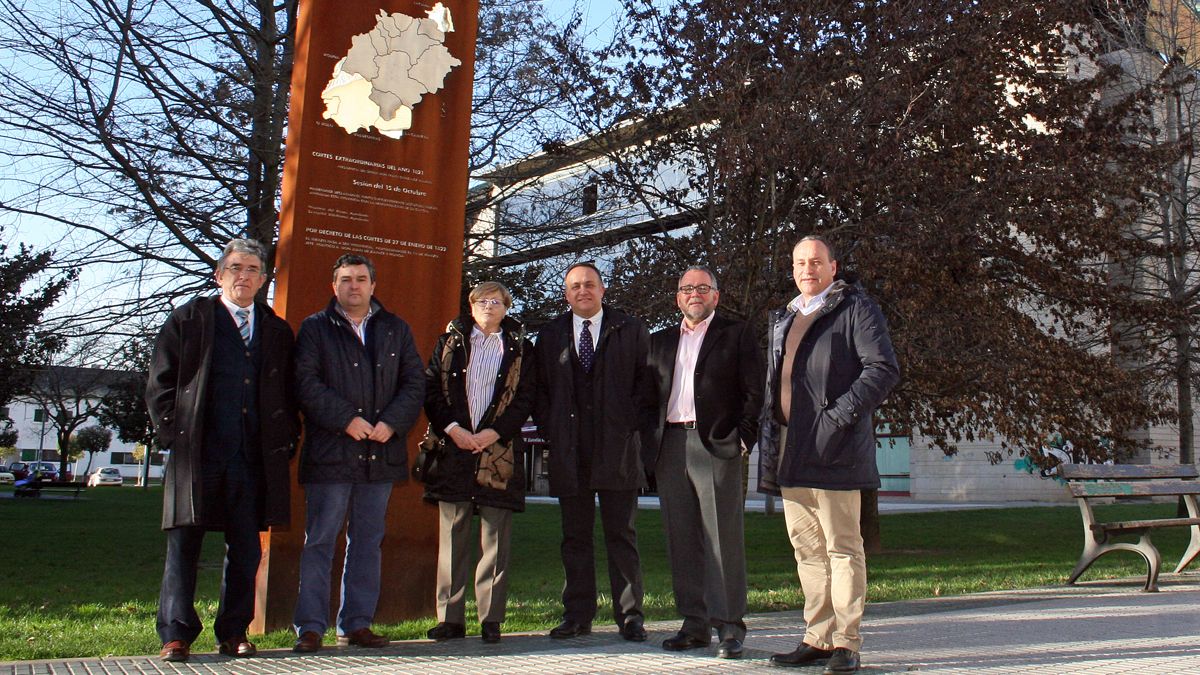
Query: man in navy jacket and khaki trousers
[830, 364]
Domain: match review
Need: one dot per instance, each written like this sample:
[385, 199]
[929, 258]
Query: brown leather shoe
[175, 651]
[308, 642]
[363, 637]
[238, 647]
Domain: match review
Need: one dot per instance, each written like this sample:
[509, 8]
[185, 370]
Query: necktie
[243, 317]
[587, 351]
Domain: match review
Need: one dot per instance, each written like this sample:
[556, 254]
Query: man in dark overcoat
[591, 405]
[219, 395]
[361, 385]
[830, 364]
[708, 375]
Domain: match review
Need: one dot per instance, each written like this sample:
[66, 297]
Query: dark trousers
[618, 508]
[702, 505]
[232, 494]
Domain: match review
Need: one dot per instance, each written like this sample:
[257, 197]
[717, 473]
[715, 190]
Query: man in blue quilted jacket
[361, 385]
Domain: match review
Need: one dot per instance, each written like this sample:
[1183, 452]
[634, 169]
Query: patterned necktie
[243, 317]
[587, 351]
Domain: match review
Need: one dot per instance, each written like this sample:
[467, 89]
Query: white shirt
[359, 328]
[233, 310]
[681, 406]
[577, 322]
[487, 351]
[798, 305]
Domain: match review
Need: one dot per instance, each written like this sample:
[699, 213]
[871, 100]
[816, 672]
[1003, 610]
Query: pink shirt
[681, 407]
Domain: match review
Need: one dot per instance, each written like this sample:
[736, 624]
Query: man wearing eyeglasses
[220, 397]
[708, 371]
[591, 406]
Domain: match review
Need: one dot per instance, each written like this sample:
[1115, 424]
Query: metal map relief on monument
[375, 86]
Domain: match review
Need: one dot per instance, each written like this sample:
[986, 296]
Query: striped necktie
[243, 317]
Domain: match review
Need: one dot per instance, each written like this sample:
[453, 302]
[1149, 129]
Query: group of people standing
[613, 402]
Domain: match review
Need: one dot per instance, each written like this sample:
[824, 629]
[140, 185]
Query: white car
[105, 476]
[6, 478]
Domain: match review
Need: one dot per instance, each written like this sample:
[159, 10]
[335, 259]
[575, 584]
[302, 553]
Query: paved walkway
[1094, 628]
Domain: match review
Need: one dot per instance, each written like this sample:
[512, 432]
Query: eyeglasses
[484, 303]
[702, 289]
[239, 270]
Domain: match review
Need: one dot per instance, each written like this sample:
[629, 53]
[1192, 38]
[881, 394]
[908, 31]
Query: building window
[39, 415]
[591, 198]
[3, 412]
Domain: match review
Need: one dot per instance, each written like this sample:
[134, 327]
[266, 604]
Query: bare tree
[1157, 47]
[149, 134]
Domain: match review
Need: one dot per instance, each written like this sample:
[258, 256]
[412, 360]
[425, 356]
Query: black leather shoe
[802, 656]
[447, 631]
[308, 642]
[730, 649]
[633, 630]
[570, 628]
[683, 641]
[238, 647]
[843, 661]
[490, 632]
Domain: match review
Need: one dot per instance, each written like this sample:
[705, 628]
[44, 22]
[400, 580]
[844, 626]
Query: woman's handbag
[426, 466]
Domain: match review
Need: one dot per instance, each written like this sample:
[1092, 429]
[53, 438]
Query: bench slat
[1131, 471]
[1142, 489]
[1127, 525]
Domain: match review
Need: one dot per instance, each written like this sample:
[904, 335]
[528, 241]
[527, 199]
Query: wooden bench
[1124, 481]
[36, 489]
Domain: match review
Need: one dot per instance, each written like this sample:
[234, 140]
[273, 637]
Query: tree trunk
[868, 522]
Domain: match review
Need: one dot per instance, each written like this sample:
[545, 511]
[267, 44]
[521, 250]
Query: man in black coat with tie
[220, 397]
[709, 373]
[590, 407]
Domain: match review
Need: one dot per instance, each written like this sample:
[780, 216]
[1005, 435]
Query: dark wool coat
[455, 481]
[844, 368]
[622, 390]
[175, 396]
[339, 378]
[727, 386]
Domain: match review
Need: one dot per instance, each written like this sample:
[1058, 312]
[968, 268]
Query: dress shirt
[681, 407]
[233, 309]
[577, 322]
[487, 350]
[798, 305]
[359, 327]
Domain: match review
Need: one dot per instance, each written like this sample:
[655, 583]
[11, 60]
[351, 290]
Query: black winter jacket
[623, 391]
[456, 472]
[338, 378]
[175, 398]
[843, 370]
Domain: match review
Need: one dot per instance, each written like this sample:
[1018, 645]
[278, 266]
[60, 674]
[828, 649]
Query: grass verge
[81, 578]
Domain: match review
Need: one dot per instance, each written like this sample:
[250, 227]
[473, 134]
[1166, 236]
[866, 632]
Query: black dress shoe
[802, 656]
[682, 641]
[730, 649]
[633, 630]
[843, 661]
[570, 628]
[490, 632]
[238, 647]
[308, 642]
[447, 631]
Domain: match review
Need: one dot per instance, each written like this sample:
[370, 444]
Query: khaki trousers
[454, 553]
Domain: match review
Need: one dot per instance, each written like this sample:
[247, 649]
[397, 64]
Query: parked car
[6, 477]
[108, 475]
[19, 470]
[47, 472]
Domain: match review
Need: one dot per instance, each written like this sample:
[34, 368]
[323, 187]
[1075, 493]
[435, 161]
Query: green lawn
[80, 578]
